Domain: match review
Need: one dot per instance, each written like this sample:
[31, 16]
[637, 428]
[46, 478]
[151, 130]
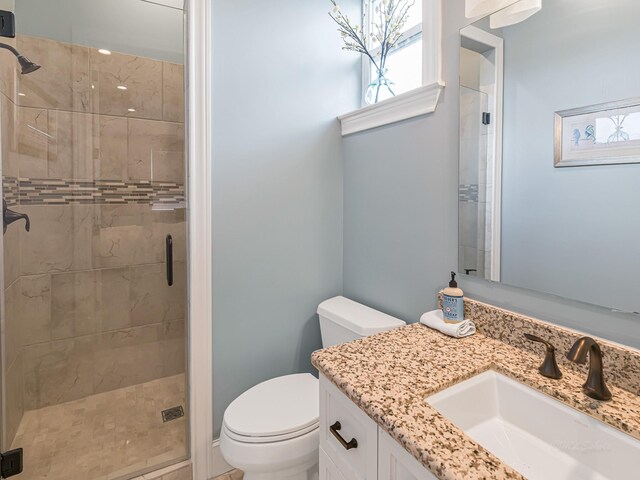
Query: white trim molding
[199, 208]
[419, 101]
[416, 102]
[432, 42]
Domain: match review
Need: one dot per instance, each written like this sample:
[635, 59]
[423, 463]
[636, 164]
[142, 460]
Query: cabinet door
[395, 463]
[347, 435]
[328, 469]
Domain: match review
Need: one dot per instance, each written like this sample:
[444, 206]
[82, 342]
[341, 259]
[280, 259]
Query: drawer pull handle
[353, 443]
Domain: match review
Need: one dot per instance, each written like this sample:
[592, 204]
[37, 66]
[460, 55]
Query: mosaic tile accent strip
[10, 190]
[621, 364]
[33, 191]
[468, 193]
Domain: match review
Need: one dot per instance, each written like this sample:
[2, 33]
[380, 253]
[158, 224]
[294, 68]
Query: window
[414, 67]
[404, 62]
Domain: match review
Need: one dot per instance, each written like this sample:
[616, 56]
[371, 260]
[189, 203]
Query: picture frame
[603, 134]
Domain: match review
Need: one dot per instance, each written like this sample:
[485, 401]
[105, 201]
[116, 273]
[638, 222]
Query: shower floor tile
[106, 436]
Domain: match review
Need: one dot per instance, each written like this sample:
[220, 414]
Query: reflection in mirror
[481, 55]
[559, 89]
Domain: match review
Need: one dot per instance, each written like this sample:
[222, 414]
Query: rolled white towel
[434, 319]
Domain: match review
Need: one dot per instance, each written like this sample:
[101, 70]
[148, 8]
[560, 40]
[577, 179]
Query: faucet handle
[549, 367]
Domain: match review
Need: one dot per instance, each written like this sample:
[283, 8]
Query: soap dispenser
[453, 302]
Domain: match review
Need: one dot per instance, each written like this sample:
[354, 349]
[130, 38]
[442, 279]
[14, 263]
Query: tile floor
[186, 474]
[234, 475]
[105, 436]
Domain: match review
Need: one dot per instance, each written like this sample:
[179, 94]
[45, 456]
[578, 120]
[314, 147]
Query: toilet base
[292, 459]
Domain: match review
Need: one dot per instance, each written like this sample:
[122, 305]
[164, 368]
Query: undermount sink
[537, 436]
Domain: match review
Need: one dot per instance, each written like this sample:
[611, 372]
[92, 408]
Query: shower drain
[172, 413]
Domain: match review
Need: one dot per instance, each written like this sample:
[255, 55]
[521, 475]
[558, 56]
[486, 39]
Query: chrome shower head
[26, 65]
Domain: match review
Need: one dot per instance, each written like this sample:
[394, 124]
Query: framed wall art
[603, 134]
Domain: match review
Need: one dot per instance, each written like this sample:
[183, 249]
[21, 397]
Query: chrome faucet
[594, 386]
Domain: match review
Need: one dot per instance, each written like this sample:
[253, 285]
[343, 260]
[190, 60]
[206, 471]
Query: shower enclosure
[94, 263]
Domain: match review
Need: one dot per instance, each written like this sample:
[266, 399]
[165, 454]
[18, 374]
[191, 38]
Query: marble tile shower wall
[87, 307]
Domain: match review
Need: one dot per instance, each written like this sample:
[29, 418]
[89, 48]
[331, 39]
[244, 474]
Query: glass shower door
[94, 310]
[10, 346]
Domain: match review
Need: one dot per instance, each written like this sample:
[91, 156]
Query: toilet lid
[277, 407]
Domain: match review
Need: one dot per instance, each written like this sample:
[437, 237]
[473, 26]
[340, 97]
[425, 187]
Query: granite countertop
[389, 375]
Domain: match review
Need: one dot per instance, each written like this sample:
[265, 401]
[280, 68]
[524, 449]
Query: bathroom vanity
[412, 403]
[367, 452]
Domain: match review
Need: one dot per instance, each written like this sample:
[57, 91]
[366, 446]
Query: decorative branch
[388, 20]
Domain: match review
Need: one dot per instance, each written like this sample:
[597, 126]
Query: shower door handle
[169, 259]
[9, 216]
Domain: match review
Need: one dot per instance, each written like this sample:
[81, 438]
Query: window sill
[411, 104]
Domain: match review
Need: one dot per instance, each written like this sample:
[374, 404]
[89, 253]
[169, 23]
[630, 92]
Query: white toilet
[271, 431]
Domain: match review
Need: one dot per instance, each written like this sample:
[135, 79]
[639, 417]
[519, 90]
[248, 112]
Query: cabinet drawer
[398, 464]
[328, 469]
[354, 462]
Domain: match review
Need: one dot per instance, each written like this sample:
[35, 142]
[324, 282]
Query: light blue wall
[280, 79]
[126, 26]
[400, 220]
[400, 225]
[570, 231]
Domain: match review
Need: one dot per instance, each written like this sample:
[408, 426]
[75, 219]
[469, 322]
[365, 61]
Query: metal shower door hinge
[11, 463]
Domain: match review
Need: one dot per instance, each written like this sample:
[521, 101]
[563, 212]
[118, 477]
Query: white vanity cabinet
[353, 447]
[395, 463]
[351, 424]
[328, 469]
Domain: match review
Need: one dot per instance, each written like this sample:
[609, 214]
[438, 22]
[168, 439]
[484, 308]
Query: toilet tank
[343, 320]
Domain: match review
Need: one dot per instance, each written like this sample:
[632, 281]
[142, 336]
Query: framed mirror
[549, 186]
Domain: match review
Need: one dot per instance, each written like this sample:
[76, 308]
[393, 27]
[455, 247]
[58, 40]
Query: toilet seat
[279, 409]
[268, 439]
